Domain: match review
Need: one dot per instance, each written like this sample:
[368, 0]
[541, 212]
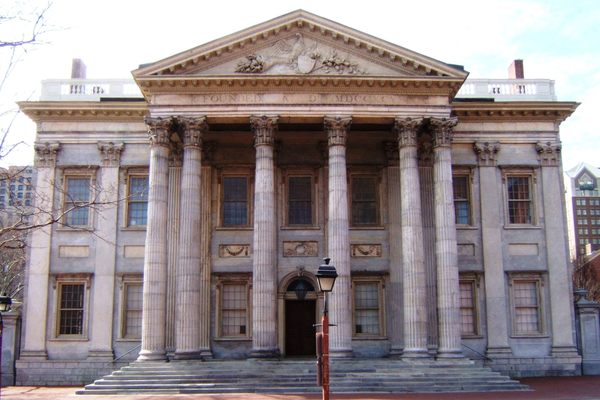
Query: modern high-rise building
[16, 187]
[582, 184]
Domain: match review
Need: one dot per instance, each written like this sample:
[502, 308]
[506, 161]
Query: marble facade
[304, 97]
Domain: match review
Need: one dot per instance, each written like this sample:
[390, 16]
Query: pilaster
[338, 240]
[413, 261]
[36, 312]
[264, 293]
[156, 251]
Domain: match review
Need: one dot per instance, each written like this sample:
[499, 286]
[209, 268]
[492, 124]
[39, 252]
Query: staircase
[299, 376]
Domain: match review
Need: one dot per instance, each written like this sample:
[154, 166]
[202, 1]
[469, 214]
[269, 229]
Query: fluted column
[340, 307]
[413, 264]
[187, 334]
[155, 256]
[264, 267]
[36, 312]
[445, 241]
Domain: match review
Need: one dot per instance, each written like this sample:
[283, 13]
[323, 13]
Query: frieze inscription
[298, 98]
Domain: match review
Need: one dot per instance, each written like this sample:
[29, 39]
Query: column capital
[407, 129]
[193, 129]
[264, 127]
[548, 153]
[159, 130]
[46, 153]
[337, 129]
[442, 131]
[486, 153]
[110, 153]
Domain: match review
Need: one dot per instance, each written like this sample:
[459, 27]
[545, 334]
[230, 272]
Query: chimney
[78, 69]
[515, 71]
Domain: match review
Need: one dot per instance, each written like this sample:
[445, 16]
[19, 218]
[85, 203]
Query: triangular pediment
[299, 43]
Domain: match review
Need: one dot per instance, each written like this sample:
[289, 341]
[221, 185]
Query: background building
[16, 187]
[225, 173]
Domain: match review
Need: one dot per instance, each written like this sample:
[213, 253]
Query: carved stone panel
[301, 249]
[234, 250]
[365, 250]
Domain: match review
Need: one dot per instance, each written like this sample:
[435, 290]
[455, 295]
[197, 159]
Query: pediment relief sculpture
[299, 55]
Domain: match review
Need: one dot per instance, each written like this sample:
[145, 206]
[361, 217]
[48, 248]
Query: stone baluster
[413, 261]
[34, 346]
[445, 241]
[340, 306]
[106, 252]
[264, 293]
[155, 257]
[187, 334]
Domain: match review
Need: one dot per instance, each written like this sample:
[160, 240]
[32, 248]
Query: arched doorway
[300, 315]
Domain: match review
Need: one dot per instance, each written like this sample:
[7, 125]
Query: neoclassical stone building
[218, 190]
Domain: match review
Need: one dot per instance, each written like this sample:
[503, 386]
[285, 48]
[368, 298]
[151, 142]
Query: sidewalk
[563, 388]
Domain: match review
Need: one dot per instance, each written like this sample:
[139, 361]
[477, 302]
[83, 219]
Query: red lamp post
[326, 276]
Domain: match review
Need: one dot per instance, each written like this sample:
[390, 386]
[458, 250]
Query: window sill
[69, 339]
[300, 228]
[522, 227]
[374, 338]
[128, 340]
[64, 228]
[234, 228]
[139, 228]
[466, 227]
[233, 339]
[530, 336]
[367, 228]
[465, 337]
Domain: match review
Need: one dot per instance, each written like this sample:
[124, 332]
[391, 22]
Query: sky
[558, 40]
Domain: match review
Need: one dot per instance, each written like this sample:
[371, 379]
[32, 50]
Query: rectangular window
[468, 308]
[462, 204]
[526, 299]
[137, 200]
[367, 308]
[77, 195]
[365, 210]
[234, 310]
[132, 312]
[235, 201]
[520, 210]
[300, 209]
[71, 307]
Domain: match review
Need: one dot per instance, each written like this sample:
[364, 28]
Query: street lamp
[326, 276]
[5, 303]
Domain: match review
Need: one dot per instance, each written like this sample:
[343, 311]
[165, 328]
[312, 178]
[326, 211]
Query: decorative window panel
[300, 198]
[364, 207]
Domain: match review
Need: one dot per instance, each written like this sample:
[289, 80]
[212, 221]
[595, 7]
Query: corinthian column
[413, 262]
[338, 241]
[155, 256]
[445, 241]
[187, 339]
[264, 268]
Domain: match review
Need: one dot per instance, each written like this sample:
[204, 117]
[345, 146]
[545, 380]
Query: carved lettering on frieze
[298, 55]
[365, 250]
[159, 130]
[407, 129]
[234, 250]
[548, 153]
[264, 128]
[337, 128]
[442, 130]
[46, 153]
[301, 249]
[110, 153]
[486, 152]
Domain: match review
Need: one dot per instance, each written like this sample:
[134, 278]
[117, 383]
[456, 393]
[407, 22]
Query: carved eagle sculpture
[293, 54]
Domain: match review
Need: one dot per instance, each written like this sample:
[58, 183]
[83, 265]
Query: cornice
[297, 83]
[84, 111]
[513, 111]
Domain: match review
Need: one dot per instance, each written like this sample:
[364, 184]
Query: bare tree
[587, 276]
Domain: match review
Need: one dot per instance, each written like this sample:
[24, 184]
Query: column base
[341, 353]
[187, 355]
[147, 355]
[265, 354]
[415, 354]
